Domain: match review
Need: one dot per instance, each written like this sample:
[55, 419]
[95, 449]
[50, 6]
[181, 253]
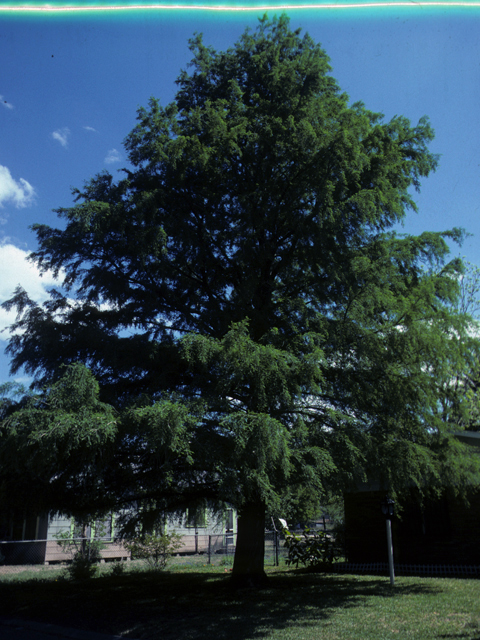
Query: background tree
[460, 377]
[240, 292]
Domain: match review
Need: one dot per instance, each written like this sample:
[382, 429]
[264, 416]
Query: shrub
[155, 549]
[84, 565]
[312, 548]
[86, 557]
[117, 569]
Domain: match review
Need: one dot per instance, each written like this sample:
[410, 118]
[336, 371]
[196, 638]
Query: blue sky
[70, 85]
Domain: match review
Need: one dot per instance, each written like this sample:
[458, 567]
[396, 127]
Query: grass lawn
[196, 603]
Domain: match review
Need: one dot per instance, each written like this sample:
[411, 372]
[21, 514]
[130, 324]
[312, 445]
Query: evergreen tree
[241, 294]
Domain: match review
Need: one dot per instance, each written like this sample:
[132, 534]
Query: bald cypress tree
[241, 292]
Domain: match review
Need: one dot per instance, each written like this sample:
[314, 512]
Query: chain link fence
[35, 556]
[201, 549]
[26, 552]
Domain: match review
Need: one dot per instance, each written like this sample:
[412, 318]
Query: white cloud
[20, 193]
[5, 104]
[90, 129]
[16, 270]
[112, 156]
[61, 135]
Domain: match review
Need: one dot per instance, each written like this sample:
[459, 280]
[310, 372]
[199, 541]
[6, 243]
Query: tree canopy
[243, 300]
[54, 446]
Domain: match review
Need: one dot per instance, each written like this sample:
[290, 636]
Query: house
[443, 530]
[34, 540]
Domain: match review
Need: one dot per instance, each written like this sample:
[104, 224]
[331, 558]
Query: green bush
[155, 549]
[117, 569]
[312, 548]
[84, 565]
[86, 557]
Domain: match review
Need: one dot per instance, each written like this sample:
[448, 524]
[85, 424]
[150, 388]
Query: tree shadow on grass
[195, 605]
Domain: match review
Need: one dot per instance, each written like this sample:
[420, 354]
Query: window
[229, 520]
[196, 518]
[103, 529]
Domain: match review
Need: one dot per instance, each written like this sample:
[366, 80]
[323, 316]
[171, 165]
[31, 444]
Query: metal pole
[275, 542]
[209, 549]
[390, 552]
[278, 547]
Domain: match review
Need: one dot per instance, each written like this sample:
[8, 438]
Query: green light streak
[236, 7]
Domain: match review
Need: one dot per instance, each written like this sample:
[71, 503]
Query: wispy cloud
[87, 128]
[18, 192]
[112, 156]
[5, 103]
[17, 270]
[61, 135]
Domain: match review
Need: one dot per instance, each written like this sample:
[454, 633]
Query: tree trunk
[248, 568]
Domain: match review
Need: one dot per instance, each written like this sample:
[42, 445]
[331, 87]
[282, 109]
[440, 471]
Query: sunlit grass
[196, 602]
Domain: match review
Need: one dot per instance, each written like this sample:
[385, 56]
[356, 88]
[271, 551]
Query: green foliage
[302, 504]
[313, 548]
[118, 569]
[61, 438]
[469, 299]
[12, 396]
[155, 549]
[241, 298]
[82, 567]
[86, 554]
[462, 399]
